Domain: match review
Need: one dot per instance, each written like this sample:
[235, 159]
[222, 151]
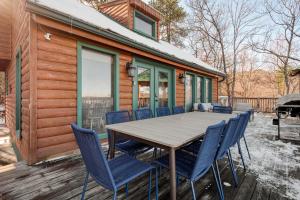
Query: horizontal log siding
[56, 93]
[215, 90]
[5, 29]
[118, 12]
[20, 39]
[179, 89]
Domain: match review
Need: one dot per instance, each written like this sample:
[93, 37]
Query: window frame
[147, 19]
[116, 79]
[18, 94]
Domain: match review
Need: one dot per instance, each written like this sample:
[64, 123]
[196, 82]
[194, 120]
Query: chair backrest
[227, 136]
[178, 110]
[240, 128]
[93, 156]
[208, 149]
[143, 113]
[216, 104]
[163, 111]
[116, 117]
[222, 109]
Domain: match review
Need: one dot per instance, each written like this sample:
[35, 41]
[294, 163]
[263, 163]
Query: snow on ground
[277, 164]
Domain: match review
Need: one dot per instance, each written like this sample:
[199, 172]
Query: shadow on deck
[63, 180]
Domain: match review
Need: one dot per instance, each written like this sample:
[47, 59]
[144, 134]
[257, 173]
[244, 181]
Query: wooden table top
[171, 131]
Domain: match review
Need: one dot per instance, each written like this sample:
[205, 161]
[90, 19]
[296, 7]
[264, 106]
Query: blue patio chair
[245, 126]
[143, 113]
[163, 111]
[201, 107]
[223, 149]
[111, 174]
[178, 110]
[222, 109]
[124, 145]
[241, 127]
[216, 104]
[194, 167]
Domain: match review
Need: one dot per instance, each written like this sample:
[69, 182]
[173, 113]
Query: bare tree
[281, 42]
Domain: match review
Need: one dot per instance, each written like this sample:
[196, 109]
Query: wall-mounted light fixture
[181, 78]
[130, 69]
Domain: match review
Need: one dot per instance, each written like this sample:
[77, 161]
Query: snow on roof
[89, 15]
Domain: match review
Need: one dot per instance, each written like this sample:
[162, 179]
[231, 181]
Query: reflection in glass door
[188, 92]
[153, 87]
[144, 87]
[199, 90]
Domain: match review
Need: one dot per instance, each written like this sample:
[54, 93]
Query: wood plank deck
[63, 180]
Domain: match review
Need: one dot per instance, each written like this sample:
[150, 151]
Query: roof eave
[70, 20]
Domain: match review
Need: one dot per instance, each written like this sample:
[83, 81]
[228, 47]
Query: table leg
[112, 145]
[172, 162]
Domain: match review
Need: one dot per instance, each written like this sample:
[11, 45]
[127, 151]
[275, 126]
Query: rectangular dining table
[170, 133]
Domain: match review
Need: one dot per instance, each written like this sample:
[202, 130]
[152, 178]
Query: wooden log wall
[266, 105]
[215, 90]
[117, 10]
[5, 29]
[20, 39]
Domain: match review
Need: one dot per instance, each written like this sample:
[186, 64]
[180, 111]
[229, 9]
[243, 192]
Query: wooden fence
[259, 104]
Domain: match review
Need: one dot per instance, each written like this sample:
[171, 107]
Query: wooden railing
[259, 104]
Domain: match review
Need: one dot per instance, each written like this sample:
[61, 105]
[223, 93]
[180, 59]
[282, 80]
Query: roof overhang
[75, 22]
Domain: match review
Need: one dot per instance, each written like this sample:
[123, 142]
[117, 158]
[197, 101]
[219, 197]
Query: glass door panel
[144, 87]
[188, 92]
[198, 89]
[207, 91]
[97, 89]
[163, 86]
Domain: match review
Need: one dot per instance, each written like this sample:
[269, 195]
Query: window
[208, 92]
[144, 25]
[199, 90]
[18, 94]
[97, 88]
[188, 92]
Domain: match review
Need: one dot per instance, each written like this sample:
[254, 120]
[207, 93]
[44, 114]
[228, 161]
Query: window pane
[188, 91]
[143, 25]
[144, 76]
[199, 89]
[163, 89]
[97, 89]
[207, 90]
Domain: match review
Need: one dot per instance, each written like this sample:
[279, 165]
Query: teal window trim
[116, 56]
[203, 87]
[18, 93]
[136, 61]
[148, 20]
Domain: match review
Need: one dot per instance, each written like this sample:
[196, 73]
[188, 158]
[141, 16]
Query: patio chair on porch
[163, 111]
[241, 127]
[124, 145]
[194, 167]
[178, 110]
[222, 109]
[143, 113]
[112, 174]
[223, 149]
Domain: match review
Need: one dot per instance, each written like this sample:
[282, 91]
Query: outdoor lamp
[130, 69]
[181, 78]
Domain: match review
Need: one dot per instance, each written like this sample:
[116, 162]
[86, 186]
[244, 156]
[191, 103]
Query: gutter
[67, 19]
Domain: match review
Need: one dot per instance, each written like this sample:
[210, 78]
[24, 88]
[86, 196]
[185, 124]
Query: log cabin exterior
[50, 51]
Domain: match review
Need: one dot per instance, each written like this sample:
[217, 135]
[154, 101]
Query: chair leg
[107, 153]
[126, 189]
[241, 154]
[193, 190]
[247, 147]
[150, 184]
[218, 184]
[115, 195]
[156, 184]
[219, 178]
[85, 185]
[232, 168]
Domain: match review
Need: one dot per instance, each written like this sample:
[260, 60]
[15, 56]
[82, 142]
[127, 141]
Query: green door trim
[154, 65]
[80, 46]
